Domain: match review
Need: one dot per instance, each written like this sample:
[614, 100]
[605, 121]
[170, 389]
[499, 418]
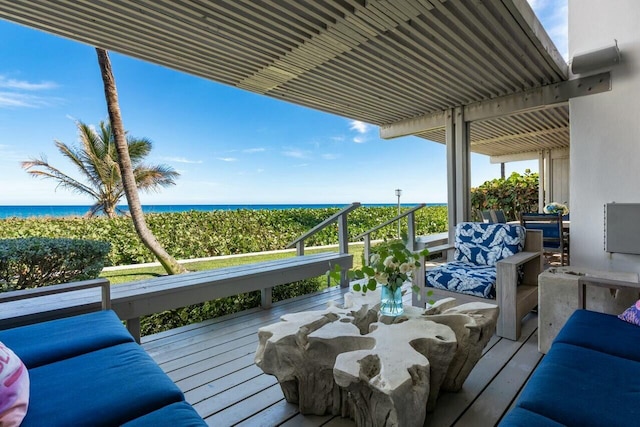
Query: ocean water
[66, 211]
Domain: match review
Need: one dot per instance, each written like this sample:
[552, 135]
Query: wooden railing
[343, 235]
[411, 230]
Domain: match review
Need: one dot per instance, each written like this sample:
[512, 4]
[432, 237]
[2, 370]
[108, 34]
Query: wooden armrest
[61, 288]
[602, 283]
[440, 248]
[520, 258]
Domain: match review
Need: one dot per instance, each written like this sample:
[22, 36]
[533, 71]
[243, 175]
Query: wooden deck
[212, 362]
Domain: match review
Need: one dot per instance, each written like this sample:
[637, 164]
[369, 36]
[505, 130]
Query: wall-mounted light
[596, 59]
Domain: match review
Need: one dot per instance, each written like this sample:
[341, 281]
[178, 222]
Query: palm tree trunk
[124, 162]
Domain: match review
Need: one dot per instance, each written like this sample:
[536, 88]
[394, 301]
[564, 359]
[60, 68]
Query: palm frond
[51, 172]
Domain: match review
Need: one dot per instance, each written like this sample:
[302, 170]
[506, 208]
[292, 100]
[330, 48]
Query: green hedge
[515, 194]
[197, 234]
[39, 261]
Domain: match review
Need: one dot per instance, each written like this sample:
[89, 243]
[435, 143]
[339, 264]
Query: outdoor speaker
[596, 59]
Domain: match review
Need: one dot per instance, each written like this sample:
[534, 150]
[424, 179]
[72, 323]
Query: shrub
[197, 234]
[171, 319]
[515, 194]
[38, 261]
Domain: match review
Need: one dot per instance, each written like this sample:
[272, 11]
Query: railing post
[367, 249]
[411, 232]
[343, 246]
[265, 297]
[133, 326]
[300, 248]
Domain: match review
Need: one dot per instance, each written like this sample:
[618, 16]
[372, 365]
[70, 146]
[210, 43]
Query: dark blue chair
[554, 239]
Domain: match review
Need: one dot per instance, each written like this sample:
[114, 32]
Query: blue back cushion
[486, 244]
[60, 339]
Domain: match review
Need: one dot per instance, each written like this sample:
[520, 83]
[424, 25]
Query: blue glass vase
[391, 301]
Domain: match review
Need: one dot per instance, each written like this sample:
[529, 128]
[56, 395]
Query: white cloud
[339, 138]
[330, 156]
[24, 100]
[296, 153]
[359, 139]
[181, 160]
[16, 94]
[358, 126]
[228, 159]
[25, 85]
[254, 150]
[301, 165]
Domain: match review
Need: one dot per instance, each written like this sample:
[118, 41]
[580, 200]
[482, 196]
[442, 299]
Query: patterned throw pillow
[632, 314]
[14, 388]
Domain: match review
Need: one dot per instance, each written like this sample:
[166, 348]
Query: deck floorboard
[213, 364]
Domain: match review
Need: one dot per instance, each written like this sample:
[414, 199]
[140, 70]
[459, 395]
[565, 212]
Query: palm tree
[97, 161]
[125, 162]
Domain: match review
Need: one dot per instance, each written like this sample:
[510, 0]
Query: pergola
[478, 76]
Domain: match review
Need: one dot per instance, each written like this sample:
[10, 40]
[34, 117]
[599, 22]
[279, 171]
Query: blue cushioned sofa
[87, 370]
[589, 377]
[491, 261]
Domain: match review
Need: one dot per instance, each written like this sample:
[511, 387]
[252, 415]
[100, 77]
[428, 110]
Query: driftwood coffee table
[381, 371]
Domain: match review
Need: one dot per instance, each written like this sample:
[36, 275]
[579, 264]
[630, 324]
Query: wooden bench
[133, 300]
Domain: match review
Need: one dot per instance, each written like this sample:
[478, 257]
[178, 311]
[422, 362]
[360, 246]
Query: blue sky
[230, 146]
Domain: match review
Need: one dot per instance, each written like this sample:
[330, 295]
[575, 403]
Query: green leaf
[372, 285]
[356, 287]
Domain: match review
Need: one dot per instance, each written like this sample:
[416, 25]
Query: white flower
[388, 262]
[406, 267]
[382, 278]
[374, 259]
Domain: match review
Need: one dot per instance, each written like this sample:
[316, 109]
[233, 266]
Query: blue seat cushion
[55, 340]
[601, 332]
[486, 244]
[583, 387]
[464, 278]
[520, 417]
[106, 387]
[177, 414]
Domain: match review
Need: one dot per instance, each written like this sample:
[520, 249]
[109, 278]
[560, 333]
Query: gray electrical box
[622, 228]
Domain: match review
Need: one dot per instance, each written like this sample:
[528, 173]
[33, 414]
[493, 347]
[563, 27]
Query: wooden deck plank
[237, 394]
[307, 421]
[213, 363]
[451, 406]
[243, 409]
[492, 404]
[274, 415]
[191, 376]
[223, 381]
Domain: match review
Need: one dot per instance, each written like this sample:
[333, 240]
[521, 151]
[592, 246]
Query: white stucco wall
[605, 130]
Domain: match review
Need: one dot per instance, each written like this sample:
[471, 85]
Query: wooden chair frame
[515, 301]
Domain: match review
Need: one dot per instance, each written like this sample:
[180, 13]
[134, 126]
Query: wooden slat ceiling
[369, 60]
[526, 132]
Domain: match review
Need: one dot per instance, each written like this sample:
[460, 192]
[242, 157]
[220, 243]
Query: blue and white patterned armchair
[492, 261]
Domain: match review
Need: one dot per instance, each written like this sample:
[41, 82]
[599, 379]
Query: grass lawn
[141, 273]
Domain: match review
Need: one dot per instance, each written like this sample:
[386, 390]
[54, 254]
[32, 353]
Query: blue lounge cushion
[177, 414]
[464, 278]
[601, 332]
[52, 341]
[486, 244]
[520, 417]
[583, 387]
[106, 387]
